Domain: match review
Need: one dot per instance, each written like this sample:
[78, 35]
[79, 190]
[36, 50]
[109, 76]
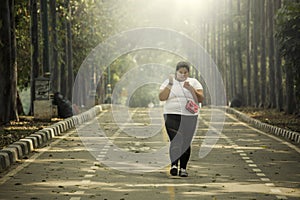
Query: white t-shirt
[176, 102]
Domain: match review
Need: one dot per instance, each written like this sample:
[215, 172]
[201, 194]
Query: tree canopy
[255, 44]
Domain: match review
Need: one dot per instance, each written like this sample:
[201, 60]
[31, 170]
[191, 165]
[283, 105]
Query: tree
[8, 65]
[255, 39]
[248, 11]
[34, 50]
[287, 33]
[54, 63]
[63, 54]
[278, 70]
[263, 66]
[69, 51]
[240, 76]
[45, 35]
[232, 63]
[272, 97]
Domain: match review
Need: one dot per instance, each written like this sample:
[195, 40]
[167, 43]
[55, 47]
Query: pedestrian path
[245, 163]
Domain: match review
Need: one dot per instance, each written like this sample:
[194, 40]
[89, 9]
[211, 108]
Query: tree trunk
[8, 91]
[255, 39]
[45, 35]
[54, 63]
[263, 76]
[64, 55]
[223, 58]
[248, 53]
[290, 91]
[34, 51]
[240, 76]
[214, 53]
[13, 64]
[19, 105]
[231, 55]
[272, 100]
[70, 52]
[278, 70]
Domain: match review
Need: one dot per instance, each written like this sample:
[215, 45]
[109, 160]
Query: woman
[179, 122]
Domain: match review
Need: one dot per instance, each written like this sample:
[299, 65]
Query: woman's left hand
[197, 94]
[188, 86]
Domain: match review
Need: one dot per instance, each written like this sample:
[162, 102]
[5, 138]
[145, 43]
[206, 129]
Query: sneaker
[174, 170]
[183, 173]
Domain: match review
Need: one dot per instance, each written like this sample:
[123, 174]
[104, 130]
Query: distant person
[180, 119]
[236, 101]
[64, 106]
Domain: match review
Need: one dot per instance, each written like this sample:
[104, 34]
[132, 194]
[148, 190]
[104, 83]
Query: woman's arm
[164, 94]
[197, 94]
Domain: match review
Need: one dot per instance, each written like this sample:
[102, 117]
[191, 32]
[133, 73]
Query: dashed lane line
[247, 159]
[100, 157]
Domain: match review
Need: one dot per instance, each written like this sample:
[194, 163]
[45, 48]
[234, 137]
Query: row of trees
[256, 44]
[38, 39]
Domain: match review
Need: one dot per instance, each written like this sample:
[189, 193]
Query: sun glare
[192, 8]
[192, 4]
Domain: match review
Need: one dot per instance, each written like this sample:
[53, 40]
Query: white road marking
[294, 147]
[276, 191]
[260, 174]
[85, 181]
[89, 175]
[270, 184]
[281, 197]
[248, 160]
[79, 192]
[256, 170]
[252, 165]
[75, 198]
[265, 179]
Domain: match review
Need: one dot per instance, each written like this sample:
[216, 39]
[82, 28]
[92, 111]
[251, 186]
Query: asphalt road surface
[123, 155]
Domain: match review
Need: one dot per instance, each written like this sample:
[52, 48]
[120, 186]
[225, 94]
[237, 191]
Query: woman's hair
[183, 64]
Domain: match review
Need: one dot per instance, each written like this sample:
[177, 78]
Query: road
[122, 155]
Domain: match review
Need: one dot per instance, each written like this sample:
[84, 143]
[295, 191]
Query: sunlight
[191, 3]
[187, 14]
[193, 6]
[185, 8]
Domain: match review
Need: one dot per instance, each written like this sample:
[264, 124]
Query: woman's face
[182, 74]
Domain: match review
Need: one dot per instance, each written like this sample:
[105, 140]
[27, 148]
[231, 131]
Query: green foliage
[91, 24]
[23, 43]
[145, 95]
[288, 31]
[288, 35]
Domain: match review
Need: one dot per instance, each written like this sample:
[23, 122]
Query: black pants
[180, 130]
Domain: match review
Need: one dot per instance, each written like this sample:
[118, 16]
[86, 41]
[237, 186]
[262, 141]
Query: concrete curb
[22, 148]
[287, 134]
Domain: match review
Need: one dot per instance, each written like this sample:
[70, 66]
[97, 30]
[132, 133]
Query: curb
[287, 134]
[20, 149]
